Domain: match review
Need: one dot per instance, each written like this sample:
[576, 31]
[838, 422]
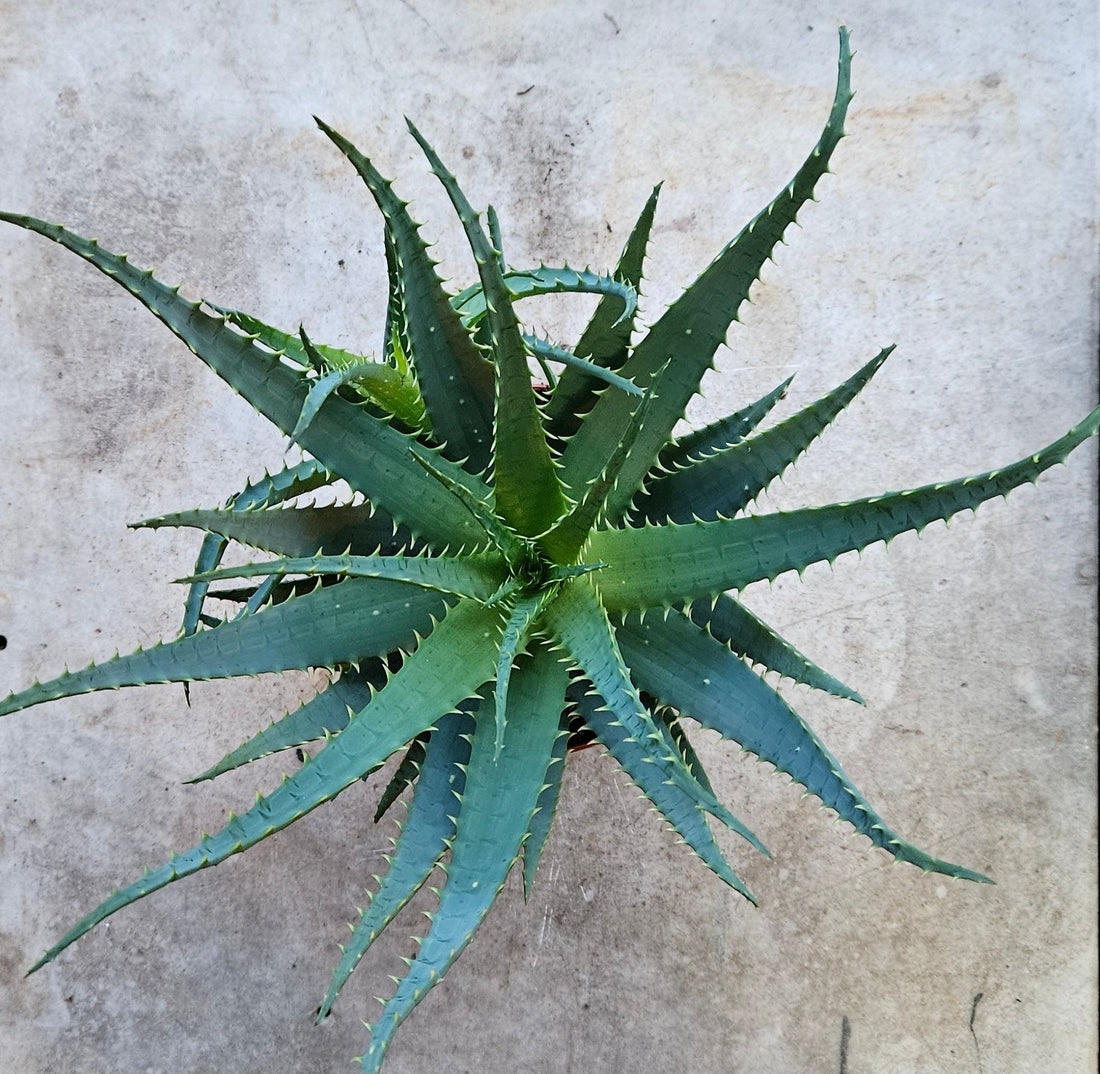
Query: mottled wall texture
[960, 223]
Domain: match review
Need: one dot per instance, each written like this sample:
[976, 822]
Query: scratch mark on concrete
[845, 1040]
[364, 25]
[547, 916]
[435, 33]
[878, 597]
[973, 1014]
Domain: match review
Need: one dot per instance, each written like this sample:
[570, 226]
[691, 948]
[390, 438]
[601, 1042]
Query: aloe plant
[529, 568]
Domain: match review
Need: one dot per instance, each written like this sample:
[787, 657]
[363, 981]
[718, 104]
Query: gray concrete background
[961, 224]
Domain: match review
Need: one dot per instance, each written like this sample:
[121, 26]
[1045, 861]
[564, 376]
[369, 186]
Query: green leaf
[606, 339]
[528, 493]
[406, 774]
[455, 381]
[494, 815]
[495, 236]
[731, 623]
[546, 808]
[657, 566]
[680, 740]
[271, 488]
[338, 624]
[477, 575]
[381, 383]
[564, 542]
[480, 507]
[297, 531]
[724, 483]
[447, 667]
[285, 343]
[679, 809]
[325, 714]
[368, 453]
[578, 623]
[695, 674]
[692, 329]
[546, 351]
[720, 434]
[428, 829]
[396, 346]
[522, 611]
[363, 373]
[472, 306]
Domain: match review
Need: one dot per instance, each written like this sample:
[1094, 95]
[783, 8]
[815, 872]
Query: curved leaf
[545, 351]
[606, 339]
[383, 384]
[547, 280]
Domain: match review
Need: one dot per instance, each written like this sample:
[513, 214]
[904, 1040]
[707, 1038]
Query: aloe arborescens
[528, 569]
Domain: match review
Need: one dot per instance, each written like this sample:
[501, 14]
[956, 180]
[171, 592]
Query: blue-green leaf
[684, 667]
[472, 306]
[545, 351]
[455, 381]
[476, 574]
[428, 829]
[539, 829]
[722, 433]
[724, 483]
[367, 452]
[736, 627]
[664, 564]
[338, 624]
[679, 809]
[297, 531]
[580, 625]
[494, 815]
[694, 326]
[270, 489]
[325, 714]
[606, 339]
[388, 387]
[405, 775]
[446, 668]
[528, 493]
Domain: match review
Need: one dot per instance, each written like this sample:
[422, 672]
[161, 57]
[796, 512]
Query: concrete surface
[961, 223]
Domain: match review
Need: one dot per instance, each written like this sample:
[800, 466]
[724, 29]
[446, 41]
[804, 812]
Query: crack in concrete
[977, 1046]
[845, 1040]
